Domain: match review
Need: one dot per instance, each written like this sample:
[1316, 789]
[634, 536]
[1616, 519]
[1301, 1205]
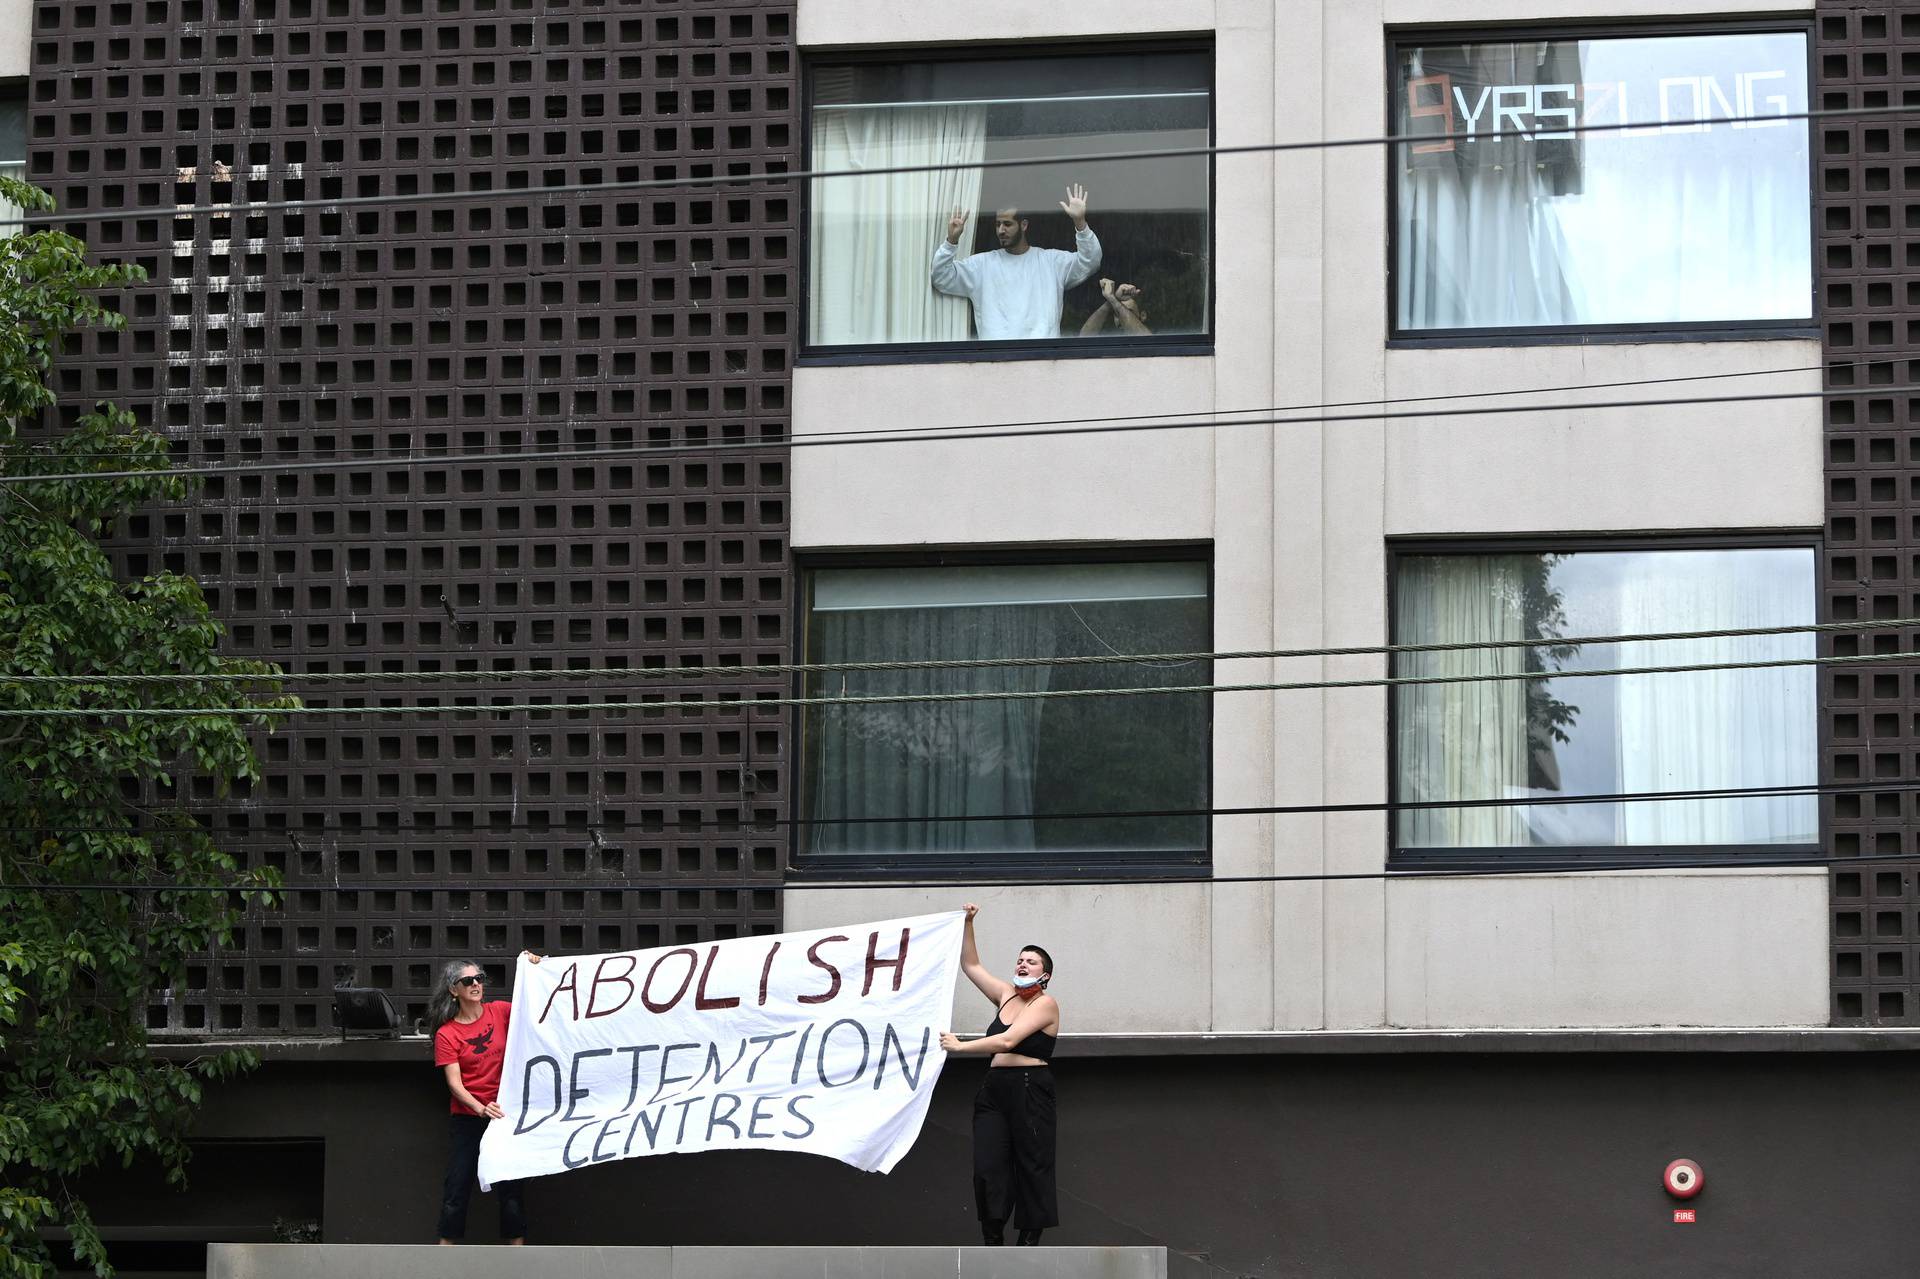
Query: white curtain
[1481, 249]
[873, 236]
[1715, 729]
[8, 209]
[1462, 741]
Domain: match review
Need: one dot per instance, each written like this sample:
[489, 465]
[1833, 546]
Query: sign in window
[1506, 217]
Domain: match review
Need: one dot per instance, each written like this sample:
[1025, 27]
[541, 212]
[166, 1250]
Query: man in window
[1016, 290]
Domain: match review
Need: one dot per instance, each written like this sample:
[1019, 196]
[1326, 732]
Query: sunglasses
[471, 979]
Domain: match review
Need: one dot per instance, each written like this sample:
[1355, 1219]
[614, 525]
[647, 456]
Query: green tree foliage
[78, 1086]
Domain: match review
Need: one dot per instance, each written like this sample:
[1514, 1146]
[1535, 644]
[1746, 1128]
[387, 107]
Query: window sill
[1609, 336]
[992, 353]
[1493, 861]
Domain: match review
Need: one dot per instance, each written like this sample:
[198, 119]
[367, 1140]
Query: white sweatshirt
[1016, 295]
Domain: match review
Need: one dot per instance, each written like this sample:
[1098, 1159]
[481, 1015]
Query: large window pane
[13, 152]
[1604, 735]
[1673, 223]
[882, 268]
[1008, 760]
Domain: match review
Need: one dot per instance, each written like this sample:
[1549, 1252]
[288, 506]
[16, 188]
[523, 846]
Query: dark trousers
[1013, 1139]
[463, 1165]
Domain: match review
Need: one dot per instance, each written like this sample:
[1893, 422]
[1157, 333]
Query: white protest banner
[825, 1041]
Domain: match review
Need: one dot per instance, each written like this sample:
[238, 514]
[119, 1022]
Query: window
[882, 273]
[1603, 735]
[1011, 761]
[13, 150]
[1672, 225]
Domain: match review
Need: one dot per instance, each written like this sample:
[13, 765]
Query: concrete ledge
[377, 1261]
[414, 1049]
[1660, 1039]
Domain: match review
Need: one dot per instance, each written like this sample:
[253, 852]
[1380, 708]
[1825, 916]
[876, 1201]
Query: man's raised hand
[1075, 206]
[955, 225]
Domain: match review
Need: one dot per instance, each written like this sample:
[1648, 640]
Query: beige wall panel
[866, 23]
[1538, 12]
[1714, 948]
[16, 32]
[1149, 485]
[1680, 466]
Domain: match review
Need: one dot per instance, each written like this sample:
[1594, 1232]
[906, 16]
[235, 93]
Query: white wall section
[16, 38]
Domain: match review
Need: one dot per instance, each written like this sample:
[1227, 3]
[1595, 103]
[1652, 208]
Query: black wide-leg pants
[1013, 1141]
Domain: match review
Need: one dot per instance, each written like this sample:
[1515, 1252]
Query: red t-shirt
[479, 1047]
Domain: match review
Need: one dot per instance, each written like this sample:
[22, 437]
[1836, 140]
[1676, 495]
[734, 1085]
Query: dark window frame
[1143, 864]
[807, 355]
[18, 87]
[1400, 37]
[1579, 857]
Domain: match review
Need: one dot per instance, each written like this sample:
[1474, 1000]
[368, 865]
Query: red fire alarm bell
[1683, 1179]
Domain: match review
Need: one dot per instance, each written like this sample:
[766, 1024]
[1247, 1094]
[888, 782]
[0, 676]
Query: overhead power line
[595, 832]
[1143, 879]
[619, 674]
[782, 175]
[661, 705]
[836, 439]
[375, 455]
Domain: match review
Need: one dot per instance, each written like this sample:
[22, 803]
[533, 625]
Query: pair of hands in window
[1074, 206]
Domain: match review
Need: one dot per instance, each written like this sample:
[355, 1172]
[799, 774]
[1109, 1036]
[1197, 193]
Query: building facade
[1368, 395]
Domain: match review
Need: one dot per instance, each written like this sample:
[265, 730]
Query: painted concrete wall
[1510, 1165]
[16, 33]
[1299, 517]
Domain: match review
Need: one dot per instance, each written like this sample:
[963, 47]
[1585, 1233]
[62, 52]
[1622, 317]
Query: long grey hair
[444, 1005]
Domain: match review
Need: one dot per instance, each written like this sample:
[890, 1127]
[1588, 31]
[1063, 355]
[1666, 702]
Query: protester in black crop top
[1013, 1114]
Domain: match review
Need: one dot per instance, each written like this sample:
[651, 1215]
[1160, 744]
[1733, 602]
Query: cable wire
[230, 209]
[373, 455]
[893, 436]
[619, 674]
[1144, 879]
[596, 833]
[661, 705]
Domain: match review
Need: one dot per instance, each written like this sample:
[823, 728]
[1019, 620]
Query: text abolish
[614, 974]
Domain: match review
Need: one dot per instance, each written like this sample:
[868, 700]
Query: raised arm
[1086, 245]
[952, 274]
[1126, 310]
[996, 991]
[1098, 320]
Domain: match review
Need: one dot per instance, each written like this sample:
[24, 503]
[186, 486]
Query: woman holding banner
[1013, 1114]
[470, 1046]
